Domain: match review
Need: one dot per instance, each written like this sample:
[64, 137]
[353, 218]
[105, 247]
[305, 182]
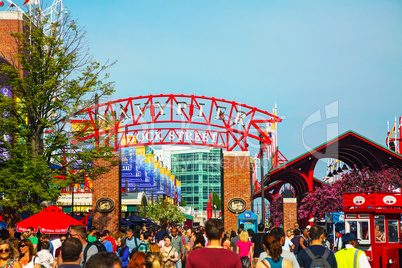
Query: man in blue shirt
[131, 240]
[107, 244]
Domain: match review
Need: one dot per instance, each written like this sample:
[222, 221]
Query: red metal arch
[177, 119]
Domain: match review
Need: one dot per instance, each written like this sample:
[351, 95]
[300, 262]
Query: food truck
[374, 217]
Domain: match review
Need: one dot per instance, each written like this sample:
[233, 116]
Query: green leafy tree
[52, 79]
[183, 203]
[216, 201]
[165, 212]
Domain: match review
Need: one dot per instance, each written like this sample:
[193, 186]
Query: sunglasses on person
[22, 246]
[6, 250]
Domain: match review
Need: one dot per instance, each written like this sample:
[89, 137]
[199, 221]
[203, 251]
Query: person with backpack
[144, 245]
[88, 249]
[132, 242]
[350, 256]
[316, 255]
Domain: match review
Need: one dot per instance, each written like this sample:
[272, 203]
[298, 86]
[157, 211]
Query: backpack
[135, 250]
[318, 261]
[99, 246]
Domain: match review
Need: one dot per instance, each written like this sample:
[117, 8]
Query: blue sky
[303, 55]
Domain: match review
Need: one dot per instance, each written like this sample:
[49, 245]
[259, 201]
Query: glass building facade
[199, 171]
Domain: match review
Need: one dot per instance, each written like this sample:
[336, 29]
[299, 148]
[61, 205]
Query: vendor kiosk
[374, 217]
[249, 219]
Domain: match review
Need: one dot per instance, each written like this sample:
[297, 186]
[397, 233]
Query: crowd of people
[178, 247]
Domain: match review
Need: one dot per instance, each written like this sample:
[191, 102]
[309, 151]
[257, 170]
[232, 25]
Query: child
[44, 255]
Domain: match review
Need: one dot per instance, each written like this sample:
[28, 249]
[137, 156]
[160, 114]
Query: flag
[387, 139]
[392, 131]
[31, 2]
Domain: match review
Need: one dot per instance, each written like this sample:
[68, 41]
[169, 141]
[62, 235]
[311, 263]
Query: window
[360, 228]
[393, 231]
[379, 229]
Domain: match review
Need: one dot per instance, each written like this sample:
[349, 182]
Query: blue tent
[134, 219]
[335, 217]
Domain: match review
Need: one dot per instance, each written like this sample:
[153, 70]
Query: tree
[276, 210]
[216, 201]
[329, 197]
[165, 212]
[183, 203]
[59, 80]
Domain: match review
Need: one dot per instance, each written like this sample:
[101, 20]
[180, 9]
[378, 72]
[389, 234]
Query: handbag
[245, 262]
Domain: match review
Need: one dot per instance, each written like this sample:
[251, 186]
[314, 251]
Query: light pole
[262, 180]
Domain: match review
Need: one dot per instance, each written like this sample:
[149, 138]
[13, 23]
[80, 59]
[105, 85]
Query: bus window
[392, 231]
[379, 229]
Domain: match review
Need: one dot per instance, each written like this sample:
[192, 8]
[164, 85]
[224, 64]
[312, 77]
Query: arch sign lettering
[176, 120]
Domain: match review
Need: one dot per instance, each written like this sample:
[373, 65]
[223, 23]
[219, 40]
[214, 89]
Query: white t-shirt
[45, 258]
[35, 260]
[287, 244]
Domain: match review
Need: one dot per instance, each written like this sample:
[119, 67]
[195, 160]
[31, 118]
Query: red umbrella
[50, 221]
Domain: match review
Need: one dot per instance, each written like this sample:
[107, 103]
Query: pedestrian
[110, 239]
[306, 256]
[105, 242]
[234, 240]
[337, 240]
[159, 235]
[161, 243]
[351, 256]
[257, 243]
[7, 255]
[45, 257]
[104, 260]
[91, 234]
[57, 261]
[304, 240]
[214, 255]
[138, 260]
[31, 236]
[153, 261]
[177, 243]
[169, 254]
[132, 241]
[28, 259]
[45, 237]
[70, 253]
[199, 241]
[296, 240]
[273, 249]
[245, 249]
[226, 241]
[122, 251]
[280, 236]
[88, 250]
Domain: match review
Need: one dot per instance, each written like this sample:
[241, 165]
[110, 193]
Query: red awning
[50, 221]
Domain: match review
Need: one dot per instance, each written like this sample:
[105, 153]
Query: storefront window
[393, 231]
[379, 229]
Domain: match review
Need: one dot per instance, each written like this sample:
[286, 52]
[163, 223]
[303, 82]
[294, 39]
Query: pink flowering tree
[329, 197]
